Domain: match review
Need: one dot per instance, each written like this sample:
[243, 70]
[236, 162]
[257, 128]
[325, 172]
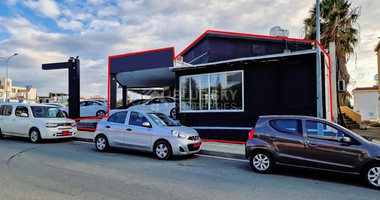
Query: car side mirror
[346, 140]
[147, 124]
[24, 115]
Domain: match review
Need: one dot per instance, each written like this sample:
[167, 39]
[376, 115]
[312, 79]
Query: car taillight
[251, 133]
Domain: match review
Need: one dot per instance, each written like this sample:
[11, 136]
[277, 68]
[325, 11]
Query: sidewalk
[373, 132]
[208, 148]
[229, 150]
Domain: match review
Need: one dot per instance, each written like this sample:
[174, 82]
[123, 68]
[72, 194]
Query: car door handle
[129, 129]
[311, 144]
[272, 137]
[108, 127]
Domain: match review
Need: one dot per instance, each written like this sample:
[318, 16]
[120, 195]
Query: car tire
[162, 150]
[261, 162]
[371, 175]
[100, 113]
[34, 135]
[1, 134]
[173, 113]
[101, 143]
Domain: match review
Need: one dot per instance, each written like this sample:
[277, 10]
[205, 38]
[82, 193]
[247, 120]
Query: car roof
[25, 104]
[290, 117]
[163, 97]
[132, 109]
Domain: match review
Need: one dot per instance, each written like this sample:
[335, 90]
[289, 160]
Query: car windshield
[46, 112]
[353, 133]
[156, 119]
[167, 120]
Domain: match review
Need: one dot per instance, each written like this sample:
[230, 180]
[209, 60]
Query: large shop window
[212, 92]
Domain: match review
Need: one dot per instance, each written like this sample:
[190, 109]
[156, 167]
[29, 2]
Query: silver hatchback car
[146, 131]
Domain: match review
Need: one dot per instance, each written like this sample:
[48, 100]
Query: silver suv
[314, 143]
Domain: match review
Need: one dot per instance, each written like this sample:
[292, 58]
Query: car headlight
[51, 125]
[74, 124]
[178, 134]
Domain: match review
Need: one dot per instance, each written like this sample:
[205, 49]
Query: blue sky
[44, 31]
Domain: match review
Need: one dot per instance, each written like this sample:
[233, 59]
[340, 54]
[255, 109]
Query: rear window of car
[118, 117]
[6, 110]
[290, 126]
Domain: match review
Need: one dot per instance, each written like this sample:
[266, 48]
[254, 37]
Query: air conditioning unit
[341, 85]
[279, 32]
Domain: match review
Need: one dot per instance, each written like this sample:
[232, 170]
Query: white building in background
[366, 103]
[16, 93]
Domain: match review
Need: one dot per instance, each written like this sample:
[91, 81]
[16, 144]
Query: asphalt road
[75, 170]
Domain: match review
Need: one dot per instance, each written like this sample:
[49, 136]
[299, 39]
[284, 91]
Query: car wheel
[371, 175]
[34, 136]
[173, 113]
[162, 150]
[261, 162]
[1, 134]
[100, 113]
[101, 143]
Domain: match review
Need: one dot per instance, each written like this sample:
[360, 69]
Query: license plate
[197, 145]
[65, 133]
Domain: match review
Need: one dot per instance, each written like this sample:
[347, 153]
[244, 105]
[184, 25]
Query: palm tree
[339, 25]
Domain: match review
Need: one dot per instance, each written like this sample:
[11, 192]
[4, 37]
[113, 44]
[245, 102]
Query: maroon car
[314, 143]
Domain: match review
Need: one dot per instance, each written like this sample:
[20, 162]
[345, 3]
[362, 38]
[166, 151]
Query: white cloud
[46, 8]
[69, 25]
[98, 29]
[101, 24]
[95, 2]
[108, 11]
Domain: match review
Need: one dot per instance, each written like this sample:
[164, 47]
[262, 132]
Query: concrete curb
[222, 154]
[203, 152]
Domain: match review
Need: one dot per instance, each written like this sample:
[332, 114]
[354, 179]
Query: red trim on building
[140, 52]
[365, 88]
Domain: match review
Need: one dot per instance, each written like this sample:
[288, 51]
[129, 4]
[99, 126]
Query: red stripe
[84, 128]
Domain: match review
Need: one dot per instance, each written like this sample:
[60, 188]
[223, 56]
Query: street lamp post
[319, 67]
[6, 75]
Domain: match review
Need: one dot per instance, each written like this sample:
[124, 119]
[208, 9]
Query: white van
[35, 121]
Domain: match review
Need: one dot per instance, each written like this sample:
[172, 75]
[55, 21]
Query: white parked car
[35, 121]
[146, 131]
[165, 105]
[89, 109]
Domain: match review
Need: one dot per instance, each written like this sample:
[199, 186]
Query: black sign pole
[74, 83]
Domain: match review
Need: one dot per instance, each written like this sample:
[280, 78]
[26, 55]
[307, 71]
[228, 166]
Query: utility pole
[319, 67]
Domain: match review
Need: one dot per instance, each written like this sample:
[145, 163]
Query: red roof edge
[365, 88]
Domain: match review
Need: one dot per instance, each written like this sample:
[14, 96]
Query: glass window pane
[226, 91]
[118, 117]
[137, 119]
[323, 131]
[185, 93]
[195, 92]
[287, 126]
[204, 87]
[215, 90]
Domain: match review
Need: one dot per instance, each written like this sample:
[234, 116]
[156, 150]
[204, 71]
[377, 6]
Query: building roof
[365, 88]
[226, 34]
[254, 58]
